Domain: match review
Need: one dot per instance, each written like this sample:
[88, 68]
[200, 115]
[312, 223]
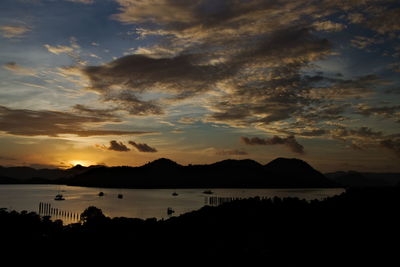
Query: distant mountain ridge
[22, 174]
[165, 173]
[364, 179]
[280, 172]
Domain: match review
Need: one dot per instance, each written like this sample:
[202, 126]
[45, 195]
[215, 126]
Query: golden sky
[124, 82]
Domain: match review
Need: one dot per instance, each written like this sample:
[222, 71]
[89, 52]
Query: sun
[80, 162]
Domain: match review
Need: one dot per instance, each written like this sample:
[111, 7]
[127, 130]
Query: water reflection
[139, 203]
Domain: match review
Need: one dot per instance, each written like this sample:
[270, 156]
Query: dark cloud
[180, 77]
[356, 147]
[362, 133]
[289, 141]
[386, 111]
[53, 123]
[385, 21]
[142, 147]
[231, 152]
[340, 89]
[128, 101]
[7, 158]
[364, 138]
[395, 91]
[254, 58]
[102, 113]
[391, 144]
[316, 132]
[118, 146]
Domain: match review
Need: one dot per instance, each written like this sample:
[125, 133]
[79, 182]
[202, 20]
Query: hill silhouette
[22, 174]
[165, 173]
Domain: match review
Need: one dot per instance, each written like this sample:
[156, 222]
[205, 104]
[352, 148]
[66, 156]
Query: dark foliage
[360, 226]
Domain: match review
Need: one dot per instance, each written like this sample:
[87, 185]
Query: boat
[174, 194]
[101, 194]
[208, 192]
[170, 211]
[59, 197]
[120, 196]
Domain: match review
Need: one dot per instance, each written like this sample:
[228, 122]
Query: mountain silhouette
[165, 173]
[294, 170]
[24, 174]
[162, 163]
[8, 180]
[234, 163]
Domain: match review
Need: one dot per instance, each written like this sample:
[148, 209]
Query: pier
[46, 209]
[216, 201]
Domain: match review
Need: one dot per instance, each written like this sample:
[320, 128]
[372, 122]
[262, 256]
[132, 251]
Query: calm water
[136, 203]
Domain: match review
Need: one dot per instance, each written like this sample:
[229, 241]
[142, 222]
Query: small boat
[208, 192]
[174, 194]
[170, 211]
[101, 194]
[59, 197]
[120, 196]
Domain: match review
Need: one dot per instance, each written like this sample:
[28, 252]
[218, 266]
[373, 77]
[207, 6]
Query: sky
[124, 82]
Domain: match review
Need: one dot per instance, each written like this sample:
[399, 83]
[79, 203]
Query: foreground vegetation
[359, 225]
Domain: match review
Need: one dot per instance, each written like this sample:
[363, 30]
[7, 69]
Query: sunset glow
[124, 82]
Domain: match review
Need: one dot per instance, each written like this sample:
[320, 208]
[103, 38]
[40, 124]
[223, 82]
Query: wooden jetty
[46, 209]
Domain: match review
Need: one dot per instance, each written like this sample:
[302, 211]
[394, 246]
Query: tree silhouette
[92, 214]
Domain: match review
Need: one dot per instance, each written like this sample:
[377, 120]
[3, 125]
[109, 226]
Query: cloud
[328, 26]
[363, 42]
[118, 146]
[361, 133]
[231, 152]
[385, 111]
[364, 138]
[99, 113]
[188, 120]
[54, 123]
[9, 31]
[7, 158]
[128, 101]
[356, 17]
[395, 90]
[142, 147]
[346, 89]
[59, 49]
[289, 141]
[251, 63]
[19, 70]
[82, 1]
[226, 46]
[73, 51]
[385, 21]
[122, 81]
[391, 144]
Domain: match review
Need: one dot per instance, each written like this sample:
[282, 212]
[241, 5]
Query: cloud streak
[142, 147]
[11, 31]
[118, 146]
[54, 123]
[19, 70]
[290, 142]
[231, 152]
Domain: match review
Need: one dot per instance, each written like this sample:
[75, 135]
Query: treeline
[360, 225]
